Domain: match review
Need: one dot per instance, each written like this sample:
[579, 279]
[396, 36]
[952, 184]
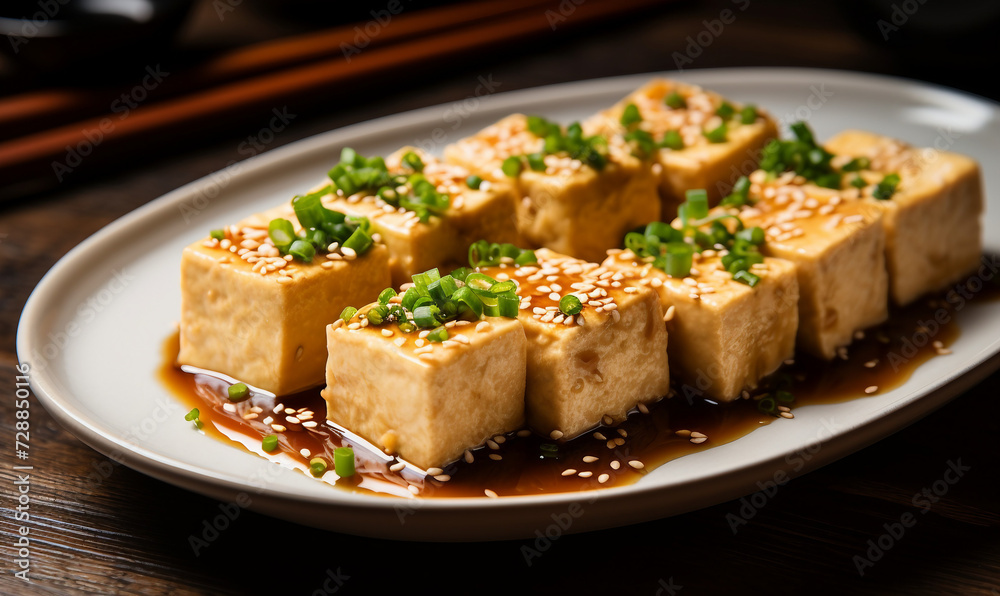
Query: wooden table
[130, 534]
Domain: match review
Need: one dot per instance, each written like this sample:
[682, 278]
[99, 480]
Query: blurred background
[199, 70]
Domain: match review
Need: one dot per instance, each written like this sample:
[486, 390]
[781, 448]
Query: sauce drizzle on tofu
[523, 464]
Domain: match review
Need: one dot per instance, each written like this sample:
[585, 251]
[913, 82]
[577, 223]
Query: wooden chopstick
[37, 110]
[39, 155]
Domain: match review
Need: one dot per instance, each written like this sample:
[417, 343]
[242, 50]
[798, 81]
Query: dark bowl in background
[87, 36]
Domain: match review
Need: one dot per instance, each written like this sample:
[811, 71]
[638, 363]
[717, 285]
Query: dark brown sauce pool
[529, 465]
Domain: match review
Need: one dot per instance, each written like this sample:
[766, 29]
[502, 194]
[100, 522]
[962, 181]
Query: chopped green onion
[359, 241]
[536, 161]
[425, 315]
[747, 278]
[386, 295]
[725, 110]
[302, 250]
[678, 259]
[548, 451]
[194, 416]
[675, 101]
[858, 182]
[270, 443]
[348, 313]
[526, 257]
[887, 187]
[512, 166]
[474, 182]
[282, 233]
[508, 305]
[696, 206]
[857, 164]
[466, 297]
[672, 140]
[317, 466]
[748, 115]
[438, 335]
[217, 234]
[570, 305]
[343, 461]
[503, 286]
[717, 134]
[630, 115]
[238, 392]
[767, 405]
[376, 315]
[413, 161]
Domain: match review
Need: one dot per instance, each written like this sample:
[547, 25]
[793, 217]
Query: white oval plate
[93, 328]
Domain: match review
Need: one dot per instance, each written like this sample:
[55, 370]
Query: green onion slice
[570, 305]
[343, 461]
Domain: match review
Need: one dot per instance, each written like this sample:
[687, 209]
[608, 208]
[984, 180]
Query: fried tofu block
[932, 221]
[700, 163]
[838, 248]
[724, 335]
[601, 362]
[569, 207]
[486, 213]
[260, 318]
[427, 404]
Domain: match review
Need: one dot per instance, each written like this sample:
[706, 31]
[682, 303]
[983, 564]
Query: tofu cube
[838, 248]
[724, 335]
[932, 222]
[569, 207]
[700, 163]
[486, 213]
[427, 404]
[601, 362]
[267, 327]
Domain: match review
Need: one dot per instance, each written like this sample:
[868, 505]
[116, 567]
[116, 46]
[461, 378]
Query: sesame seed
[490, 494]
[469, 458]
[278, 428]
[442, 477]
[289, 411]
[434, 471]
[683, 433]
[600, 437]
[492, 444]
[568, 472]
[349, 253]
[397, 466]
[871, 389]
[638, 465]
[697, 435]
[622, 432]
[788, 415]
[871, 363]
[669, 315]
[309, 424]
[482, 326]
[305, 452]
[615, 464]
[631, 290]
[413, 489]
[619, 441]
[586, 474]
[642, 408]
[603, 478]
[500, 439]
[292, 420]
[556, 435]
[589, 459]
[495, 456]
[699, 440]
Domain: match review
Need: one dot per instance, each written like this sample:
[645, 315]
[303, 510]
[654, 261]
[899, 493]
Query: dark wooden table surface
[129, 534]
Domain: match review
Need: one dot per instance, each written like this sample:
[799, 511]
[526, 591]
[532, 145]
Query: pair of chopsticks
[264, 76]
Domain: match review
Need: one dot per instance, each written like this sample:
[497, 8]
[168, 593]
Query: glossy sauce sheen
[526, 468]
